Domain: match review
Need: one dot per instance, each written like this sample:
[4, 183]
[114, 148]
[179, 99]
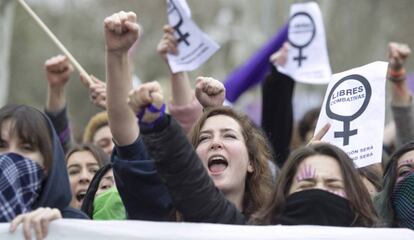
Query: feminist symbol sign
[172, 10]
[302, 31]
[347, 100]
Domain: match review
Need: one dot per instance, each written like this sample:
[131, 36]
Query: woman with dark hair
[102, 200]
[34, 180]
[319, 185]
[82, 162]
[395, 203]
[372, 178]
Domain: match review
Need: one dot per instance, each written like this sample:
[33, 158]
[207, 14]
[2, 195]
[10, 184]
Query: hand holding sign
[194, 46]
[319, 135]
[168, 43]
[308, 60]
[97, 92]
[280, 57]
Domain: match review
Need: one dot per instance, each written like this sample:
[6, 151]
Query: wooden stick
[57, 42]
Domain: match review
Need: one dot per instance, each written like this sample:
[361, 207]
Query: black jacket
[191, 188]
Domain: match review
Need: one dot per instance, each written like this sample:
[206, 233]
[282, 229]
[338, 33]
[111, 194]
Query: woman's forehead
[218, 122]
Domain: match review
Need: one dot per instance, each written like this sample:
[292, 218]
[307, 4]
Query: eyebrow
[408, 162]
[405, 165]
[306, 179]
[221, 130]
[110, 178]
[78, 165]
[333, 180]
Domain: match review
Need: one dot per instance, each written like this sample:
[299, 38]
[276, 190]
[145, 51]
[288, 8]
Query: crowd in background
[191, 158]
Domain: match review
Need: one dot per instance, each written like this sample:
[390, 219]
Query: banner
[308, 60]
[354, 105]
[194, 46]
[67, 229]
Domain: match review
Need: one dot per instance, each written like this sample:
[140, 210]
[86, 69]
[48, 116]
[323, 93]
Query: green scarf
[108, 206]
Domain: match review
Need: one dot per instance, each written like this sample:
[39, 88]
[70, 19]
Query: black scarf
[317, 207]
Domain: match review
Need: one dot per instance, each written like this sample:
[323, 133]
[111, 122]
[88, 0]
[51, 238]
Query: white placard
[194, 46]
[354, 105]
[67, 229]
[308, 60]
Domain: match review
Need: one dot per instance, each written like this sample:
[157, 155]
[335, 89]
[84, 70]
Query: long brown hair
[259, 182]
[355, 190]
[31, 126]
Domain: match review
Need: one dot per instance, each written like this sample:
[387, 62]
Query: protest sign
[354, 105]
[308, 60]
[194, 46]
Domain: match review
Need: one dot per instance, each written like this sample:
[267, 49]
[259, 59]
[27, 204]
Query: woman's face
[222, 149]
[10, 142]
[103, 139]
[319, 172]
[81, 166]
[106, 182]
[405, 165]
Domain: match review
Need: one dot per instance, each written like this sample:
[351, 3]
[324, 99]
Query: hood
[56, 191]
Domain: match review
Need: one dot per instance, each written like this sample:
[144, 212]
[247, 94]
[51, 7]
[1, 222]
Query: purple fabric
[254, 70]
[410, 81]
[64, 135]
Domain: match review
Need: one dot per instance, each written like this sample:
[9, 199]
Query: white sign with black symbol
[194, 46]
[354, 105]
[308, 60]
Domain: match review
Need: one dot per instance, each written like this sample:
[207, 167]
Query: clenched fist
[147, 95]
[210, 92]
[121, 31]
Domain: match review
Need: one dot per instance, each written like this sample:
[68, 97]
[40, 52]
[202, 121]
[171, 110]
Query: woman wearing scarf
[33, 178]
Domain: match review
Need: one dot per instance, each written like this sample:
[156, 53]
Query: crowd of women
[202, 162]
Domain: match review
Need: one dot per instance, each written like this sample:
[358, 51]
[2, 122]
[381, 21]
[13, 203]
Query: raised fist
[210, 92]
[121, 31]
[397, 54]
[58, 70]
[146, 95]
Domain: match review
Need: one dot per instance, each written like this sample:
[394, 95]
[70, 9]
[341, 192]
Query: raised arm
[121, 31]
[277, 110]
[192, 190]
[401, 100]
[58, 70]
[183, 106]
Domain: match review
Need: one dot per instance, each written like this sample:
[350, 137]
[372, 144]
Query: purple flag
[254, 70]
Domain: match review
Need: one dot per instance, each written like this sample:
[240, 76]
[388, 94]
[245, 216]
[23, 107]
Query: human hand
[398, 54]
[145, 95]
[121, 31]
[280, 57]
[58, 70]
[319, 135]
[168, 43]
[210, 92]
[38, 219]
[97, 91]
